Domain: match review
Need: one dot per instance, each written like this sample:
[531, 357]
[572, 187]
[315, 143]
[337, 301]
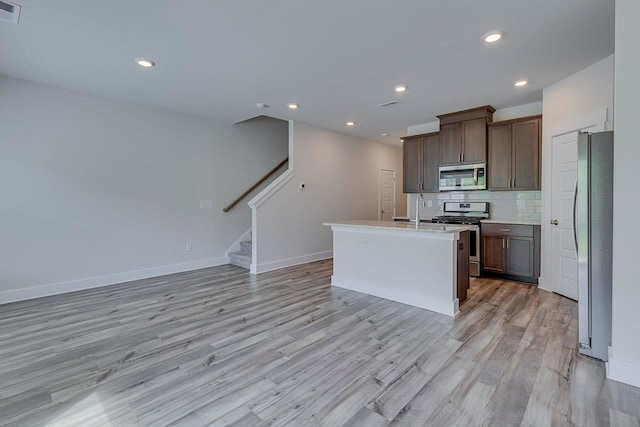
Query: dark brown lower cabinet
[463, 266]
[493, 253]
[520, 256]
[511, 251]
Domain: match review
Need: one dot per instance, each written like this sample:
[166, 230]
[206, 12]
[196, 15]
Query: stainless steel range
[468, 213]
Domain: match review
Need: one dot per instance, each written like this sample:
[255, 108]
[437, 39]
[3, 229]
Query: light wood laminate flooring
[220, 347]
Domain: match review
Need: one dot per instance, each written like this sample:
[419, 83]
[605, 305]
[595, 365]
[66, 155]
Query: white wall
[523, 110]
[624, 361]
[583, 98]
[586, 91]
[340, 173]
[96, 191]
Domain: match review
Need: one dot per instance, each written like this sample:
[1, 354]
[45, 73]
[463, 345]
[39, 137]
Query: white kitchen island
[399, 262]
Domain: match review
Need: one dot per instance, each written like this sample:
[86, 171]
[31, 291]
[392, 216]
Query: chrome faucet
[418, 209]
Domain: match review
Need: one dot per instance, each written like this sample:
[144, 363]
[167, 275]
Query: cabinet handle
[505, 229]
[507, 243]
[513, 182]
[462, 156]
[502, 243]
[509, 182]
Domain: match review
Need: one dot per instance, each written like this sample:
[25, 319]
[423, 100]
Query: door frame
[596, 121]
[388, 169]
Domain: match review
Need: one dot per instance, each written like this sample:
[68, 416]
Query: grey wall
[93, 188]
[340, 173]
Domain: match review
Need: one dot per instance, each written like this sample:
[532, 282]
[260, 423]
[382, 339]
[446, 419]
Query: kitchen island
[426, 267]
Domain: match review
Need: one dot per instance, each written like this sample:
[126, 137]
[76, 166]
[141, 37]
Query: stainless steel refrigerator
[593, 230]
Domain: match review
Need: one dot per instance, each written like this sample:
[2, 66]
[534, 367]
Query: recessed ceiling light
[493, 36]
[385, 134]
[400, 88]
[350, 123]
[293, 106]
[146, 63]
[521, 83]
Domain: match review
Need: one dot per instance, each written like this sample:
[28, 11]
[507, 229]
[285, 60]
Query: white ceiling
[338, 59]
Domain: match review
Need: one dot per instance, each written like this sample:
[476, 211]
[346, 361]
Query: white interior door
[386, 194]
[564, 165]
[564, 172]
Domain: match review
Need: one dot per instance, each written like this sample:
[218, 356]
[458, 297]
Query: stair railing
[254, 186]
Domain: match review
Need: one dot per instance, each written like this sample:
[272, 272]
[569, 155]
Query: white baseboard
[450, 308]
[624, 371]
[110, 279]
[289, 262]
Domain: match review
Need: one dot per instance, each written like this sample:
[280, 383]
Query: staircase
[242, 258]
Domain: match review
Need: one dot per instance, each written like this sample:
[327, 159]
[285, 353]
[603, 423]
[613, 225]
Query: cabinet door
[450, 143]
[493, 253]
[430, 163]
[526, 155]
[499, 163]
[463, 265]
[474, 141]
[520, 256]
[411, 165]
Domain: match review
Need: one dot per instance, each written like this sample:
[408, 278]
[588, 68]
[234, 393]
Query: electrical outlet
[206, 204]
[429, 203]
[189, 248]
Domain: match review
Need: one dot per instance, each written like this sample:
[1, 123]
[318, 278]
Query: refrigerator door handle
[575, 226]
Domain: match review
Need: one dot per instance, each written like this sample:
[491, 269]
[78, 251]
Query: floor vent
[9, 12]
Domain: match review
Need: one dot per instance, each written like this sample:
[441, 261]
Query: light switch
[429, 203]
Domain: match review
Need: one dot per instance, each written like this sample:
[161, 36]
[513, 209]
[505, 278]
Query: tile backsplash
[521, 205]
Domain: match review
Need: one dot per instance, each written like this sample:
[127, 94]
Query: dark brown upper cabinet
[411, 165]
[463, 136]
[421, 158]
[514, 154]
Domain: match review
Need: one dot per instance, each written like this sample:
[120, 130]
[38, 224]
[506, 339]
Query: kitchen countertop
[511, 221]
[403, 226]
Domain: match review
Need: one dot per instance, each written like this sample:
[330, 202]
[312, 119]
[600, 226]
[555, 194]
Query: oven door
[474, 252]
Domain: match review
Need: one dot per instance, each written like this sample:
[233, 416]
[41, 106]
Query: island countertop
[402, 226]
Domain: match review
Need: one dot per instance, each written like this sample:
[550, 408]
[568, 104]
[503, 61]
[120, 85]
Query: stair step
[245, 247]
[239, 259]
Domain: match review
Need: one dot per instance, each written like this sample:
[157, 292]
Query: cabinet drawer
[507, 230]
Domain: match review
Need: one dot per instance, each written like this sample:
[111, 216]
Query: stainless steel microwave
[463, 177]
